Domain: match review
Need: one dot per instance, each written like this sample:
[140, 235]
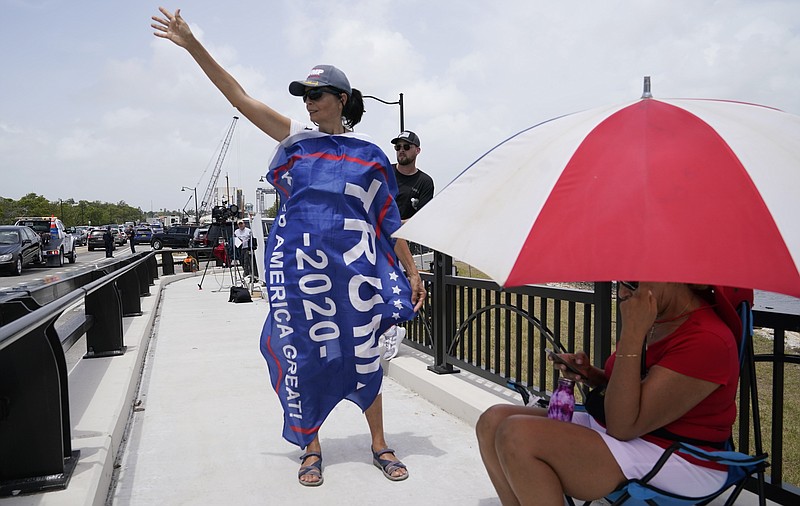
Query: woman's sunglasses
[405, 147]
[630, 285]
[316, 93]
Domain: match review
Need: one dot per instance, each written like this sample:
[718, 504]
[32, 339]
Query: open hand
[172, 27]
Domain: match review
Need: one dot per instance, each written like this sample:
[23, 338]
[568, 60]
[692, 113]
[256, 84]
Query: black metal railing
[35, 430]
[36, 452]
[771, 369]
[501, 334]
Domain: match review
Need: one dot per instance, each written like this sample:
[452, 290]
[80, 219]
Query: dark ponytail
[353, 109]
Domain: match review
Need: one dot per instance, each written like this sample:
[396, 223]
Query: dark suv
[174, 237]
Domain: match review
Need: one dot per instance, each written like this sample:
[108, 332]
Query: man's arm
[418, 292]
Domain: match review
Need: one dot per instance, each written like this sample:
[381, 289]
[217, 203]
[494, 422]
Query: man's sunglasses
[316, 93]
[405, 147]
[630, 285]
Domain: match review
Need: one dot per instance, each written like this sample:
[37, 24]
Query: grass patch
[791, 409]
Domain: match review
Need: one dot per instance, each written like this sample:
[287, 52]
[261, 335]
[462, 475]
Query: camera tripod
[226, 252]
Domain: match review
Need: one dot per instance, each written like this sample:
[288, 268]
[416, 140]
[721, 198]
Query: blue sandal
[388, 466]
[314, 469]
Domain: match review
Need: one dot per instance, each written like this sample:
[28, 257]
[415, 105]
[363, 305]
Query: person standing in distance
[415, 187]
[130, 233]
[244, 236]
[108, 242]
[414, 190]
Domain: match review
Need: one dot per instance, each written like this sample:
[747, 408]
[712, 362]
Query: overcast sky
[93, 106]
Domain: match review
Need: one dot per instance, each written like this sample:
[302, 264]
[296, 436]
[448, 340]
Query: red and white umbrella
[684, 190]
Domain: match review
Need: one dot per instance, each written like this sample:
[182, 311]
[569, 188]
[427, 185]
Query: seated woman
[686, 390]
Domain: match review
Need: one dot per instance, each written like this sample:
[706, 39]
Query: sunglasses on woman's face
[630, 285]
[316, 93]
[405, 147]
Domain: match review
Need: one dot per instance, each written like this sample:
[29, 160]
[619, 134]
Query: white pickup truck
[56, 242]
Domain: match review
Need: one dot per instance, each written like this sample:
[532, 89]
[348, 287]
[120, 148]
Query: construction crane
[212, 183]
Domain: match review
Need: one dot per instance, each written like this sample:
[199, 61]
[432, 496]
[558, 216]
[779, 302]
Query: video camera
[222, 213]
[222, 224]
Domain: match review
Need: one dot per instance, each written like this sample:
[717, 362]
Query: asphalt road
[36, 275]
[33, 275]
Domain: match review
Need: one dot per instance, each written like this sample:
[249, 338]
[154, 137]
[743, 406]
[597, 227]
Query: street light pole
[196, 212]
[399, 102]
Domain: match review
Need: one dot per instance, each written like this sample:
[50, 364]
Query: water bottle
[562, 402]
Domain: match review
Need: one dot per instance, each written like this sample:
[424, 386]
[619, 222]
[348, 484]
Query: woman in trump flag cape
[333, 278]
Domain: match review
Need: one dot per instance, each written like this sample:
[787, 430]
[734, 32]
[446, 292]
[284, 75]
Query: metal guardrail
[35, 436]
[35, 430]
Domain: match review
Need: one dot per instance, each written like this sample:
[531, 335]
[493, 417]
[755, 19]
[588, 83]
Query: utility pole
[399, 102]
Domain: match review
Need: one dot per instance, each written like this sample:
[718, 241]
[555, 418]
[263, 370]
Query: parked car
[97, 239]
[200, 239]
[19, 246]
[80, 234]
[142, 235]
[56, 242]
[120, 238]
[174, 237]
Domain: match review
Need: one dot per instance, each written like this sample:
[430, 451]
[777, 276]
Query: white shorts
[637, 456]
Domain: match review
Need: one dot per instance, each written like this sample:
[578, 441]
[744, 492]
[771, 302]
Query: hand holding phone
[558, 360]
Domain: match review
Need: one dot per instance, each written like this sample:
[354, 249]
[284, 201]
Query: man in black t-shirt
[415, 188]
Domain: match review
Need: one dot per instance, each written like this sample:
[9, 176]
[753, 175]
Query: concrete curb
[463, 395]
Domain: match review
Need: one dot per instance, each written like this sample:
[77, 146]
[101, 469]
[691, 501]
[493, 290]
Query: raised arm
[174, 28]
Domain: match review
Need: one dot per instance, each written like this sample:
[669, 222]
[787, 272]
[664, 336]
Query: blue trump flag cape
[333, 281]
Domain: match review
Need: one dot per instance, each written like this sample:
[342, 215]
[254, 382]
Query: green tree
[34, 205]
[7, 207]
[272, 212]
[72, 213]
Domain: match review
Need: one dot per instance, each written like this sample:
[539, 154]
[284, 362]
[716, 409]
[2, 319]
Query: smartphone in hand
[558, 360]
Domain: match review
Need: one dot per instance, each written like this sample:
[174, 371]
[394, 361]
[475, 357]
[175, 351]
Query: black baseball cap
[408, 136]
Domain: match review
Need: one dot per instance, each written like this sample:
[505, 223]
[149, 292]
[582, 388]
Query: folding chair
[734, 307]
